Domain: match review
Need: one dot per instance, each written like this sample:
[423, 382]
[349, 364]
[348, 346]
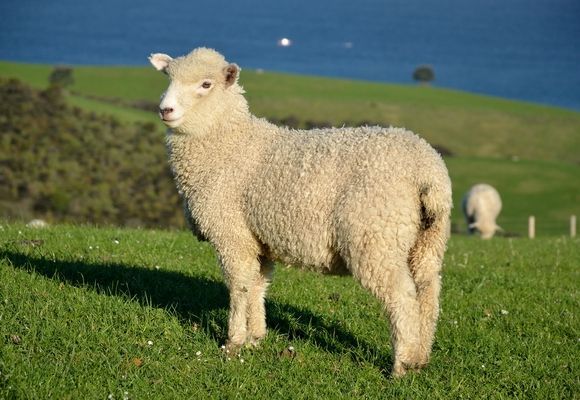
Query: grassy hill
[467, 124]
[69, 164]
[549, 190]
[88, 313]
[529, 152]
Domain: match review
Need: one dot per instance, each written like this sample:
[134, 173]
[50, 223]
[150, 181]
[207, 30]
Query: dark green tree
[61, 76]
[424, 74]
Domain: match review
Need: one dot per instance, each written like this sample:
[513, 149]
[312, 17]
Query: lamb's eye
[206, 85]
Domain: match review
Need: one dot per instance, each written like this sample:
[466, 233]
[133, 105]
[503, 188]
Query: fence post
[531, 227]
[572, 226]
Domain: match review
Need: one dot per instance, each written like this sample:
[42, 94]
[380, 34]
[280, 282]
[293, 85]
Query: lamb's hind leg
[386, 274]
[256, 304]
[425, 260]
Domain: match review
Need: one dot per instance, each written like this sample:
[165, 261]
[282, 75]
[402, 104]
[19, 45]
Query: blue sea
[519, 49]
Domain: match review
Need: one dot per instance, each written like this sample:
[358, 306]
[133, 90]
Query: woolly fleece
[371, 201]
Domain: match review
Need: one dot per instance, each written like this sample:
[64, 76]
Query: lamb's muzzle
[165, 113]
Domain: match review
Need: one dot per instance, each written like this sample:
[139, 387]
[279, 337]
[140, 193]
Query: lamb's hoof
[424, 357]
[401, 369]
[398, 372]
[254, 343]
[231, 349]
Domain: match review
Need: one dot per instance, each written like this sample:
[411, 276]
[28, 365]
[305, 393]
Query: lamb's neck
[198, 158]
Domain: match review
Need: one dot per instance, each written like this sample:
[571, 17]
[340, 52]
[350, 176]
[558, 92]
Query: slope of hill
[529, 152]
[63, 163]
[466, 124]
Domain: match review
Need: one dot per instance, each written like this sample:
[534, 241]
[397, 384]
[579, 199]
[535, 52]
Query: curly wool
[371, 201]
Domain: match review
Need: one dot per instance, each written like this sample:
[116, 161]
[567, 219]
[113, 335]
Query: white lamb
[481, 206]
[371, 201]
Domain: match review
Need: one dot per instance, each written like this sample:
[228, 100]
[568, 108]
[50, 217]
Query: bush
[65, 164]
[61, 76]
[444, 151]
[424, 74]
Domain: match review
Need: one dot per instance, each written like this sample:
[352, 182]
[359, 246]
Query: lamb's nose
[165, 111]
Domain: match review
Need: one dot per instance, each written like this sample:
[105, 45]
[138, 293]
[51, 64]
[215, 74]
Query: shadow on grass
[196, 299]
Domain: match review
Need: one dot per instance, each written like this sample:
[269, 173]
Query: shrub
[424, 74]
[61, 76]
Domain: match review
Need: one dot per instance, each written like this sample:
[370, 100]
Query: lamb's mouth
[172, 122]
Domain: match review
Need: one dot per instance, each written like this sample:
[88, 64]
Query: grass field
[91, 313]
[549, 190]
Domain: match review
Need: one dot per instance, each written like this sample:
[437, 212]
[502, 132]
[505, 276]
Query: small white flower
[483, 366]
[291, 348]
[504, 312]
[157, 267]
[116, 241]
[150, 342]
[241, 360]
[90, 247]
[125, 395]
[198, 353]
[110, 396]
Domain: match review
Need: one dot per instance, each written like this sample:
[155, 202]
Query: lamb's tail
[435, 228]
[436, 205]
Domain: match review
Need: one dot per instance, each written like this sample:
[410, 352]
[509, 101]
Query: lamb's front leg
[240, 274]
[256, 303]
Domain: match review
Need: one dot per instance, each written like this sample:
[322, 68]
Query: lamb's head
[198, 88]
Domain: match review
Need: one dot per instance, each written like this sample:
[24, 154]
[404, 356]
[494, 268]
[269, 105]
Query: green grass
[468, 124]
[113, 83]
[89, 312]
[122, 113]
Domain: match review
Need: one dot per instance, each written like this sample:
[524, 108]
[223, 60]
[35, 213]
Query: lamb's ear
[160, 61]
[231, 73]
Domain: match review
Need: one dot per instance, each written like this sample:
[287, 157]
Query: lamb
[371, 201]
[481, 206]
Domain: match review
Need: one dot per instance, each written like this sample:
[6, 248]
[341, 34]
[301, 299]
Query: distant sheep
[37, 224]
[481, 206]
[371, 201]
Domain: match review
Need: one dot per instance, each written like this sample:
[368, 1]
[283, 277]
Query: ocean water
[519, 49]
